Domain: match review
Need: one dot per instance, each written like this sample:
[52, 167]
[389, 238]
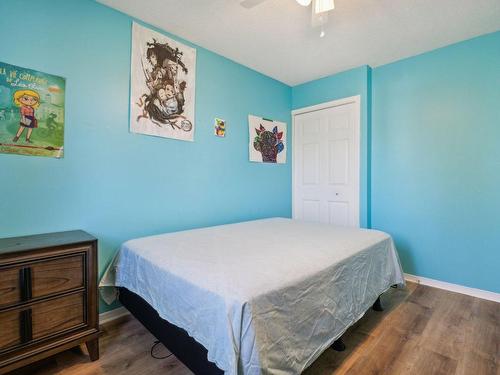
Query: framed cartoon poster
[31, 112]
[267, 140]
[162, 85]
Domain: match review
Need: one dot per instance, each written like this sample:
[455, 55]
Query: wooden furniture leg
[93, 349]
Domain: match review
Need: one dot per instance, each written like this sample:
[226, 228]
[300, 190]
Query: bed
[258, 297]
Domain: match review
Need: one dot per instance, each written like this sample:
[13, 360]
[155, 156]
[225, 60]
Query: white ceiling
[276, 37]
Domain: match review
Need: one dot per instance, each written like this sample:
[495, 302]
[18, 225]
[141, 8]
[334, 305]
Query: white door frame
[356, 100]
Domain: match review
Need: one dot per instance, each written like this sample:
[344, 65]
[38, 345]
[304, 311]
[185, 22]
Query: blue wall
[349, 83]
[436, 161]
[117, 185]
[430, 134]
[431, 137]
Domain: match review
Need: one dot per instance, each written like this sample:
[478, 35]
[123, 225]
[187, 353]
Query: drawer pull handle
[25, 281]
[26, 326]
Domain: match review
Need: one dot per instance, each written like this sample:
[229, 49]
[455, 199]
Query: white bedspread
[264, 297]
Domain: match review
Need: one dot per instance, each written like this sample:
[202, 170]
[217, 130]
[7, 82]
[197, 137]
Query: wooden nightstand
[48, 297]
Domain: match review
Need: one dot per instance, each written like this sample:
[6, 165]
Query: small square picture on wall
[219, 127]
[267, 140]
[31, 112]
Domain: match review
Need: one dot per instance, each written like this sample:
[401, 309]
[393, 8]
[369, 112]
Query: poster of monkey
[267, 140]
[162, 85]
[31, 112]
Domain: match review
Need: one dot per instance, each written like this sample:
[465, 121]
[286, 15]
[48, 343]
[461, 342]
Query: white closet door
[326, 165]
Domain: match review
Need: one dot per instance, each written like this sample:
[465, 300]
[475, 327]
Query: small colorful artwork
[267, 140]
[31, 112]
[162, 85]
[220, 127]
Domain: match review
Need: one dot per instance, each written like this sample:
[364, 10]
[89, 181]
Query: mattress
[265, 296]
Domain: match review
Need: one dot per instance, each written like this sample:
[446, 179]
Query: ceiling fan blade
[250, 3]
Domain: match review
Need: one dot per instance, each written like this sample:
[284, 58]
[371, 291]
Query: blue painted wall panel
[430, 144]
[436, 161]
[115, 184]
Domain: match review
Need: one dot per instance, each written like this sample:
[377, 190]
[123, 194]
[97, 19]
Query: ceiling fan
[320, 9]
[319, 6]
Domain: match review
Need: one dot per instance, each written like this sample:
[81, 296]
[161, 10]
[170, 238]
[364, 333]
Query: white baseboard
[109, 316]
[479, 293]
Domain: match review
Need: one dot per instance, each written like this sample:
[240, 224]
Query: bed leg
[377, 306]
[338, 345]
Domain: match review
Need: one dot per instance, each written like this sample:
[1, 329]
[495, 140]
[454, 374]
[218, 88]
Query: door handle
[25, 281]
[26, 326]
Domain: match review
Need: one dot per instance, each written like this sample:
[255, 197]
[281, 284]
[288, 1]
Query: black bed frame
[184, 347]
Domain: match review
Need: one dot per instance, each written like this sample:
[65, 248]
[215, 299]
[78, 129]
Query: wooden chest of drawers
[48, 296]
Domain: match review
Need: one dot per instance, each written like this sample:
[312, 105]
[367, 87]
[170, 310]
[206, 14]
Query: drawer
[58, 275]
[40, 279]
[10, 286]
[57, 315]
[10, 329]
[41, 320]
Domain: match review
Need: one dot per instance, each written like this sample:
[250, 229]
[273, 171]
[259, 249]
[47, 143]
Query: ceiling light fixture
[319, 10]
[304, 3]
[321, 6]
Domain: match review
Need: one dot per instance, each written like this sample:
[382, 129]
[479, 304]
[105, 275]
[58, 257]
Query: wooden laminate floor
[422, 331]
